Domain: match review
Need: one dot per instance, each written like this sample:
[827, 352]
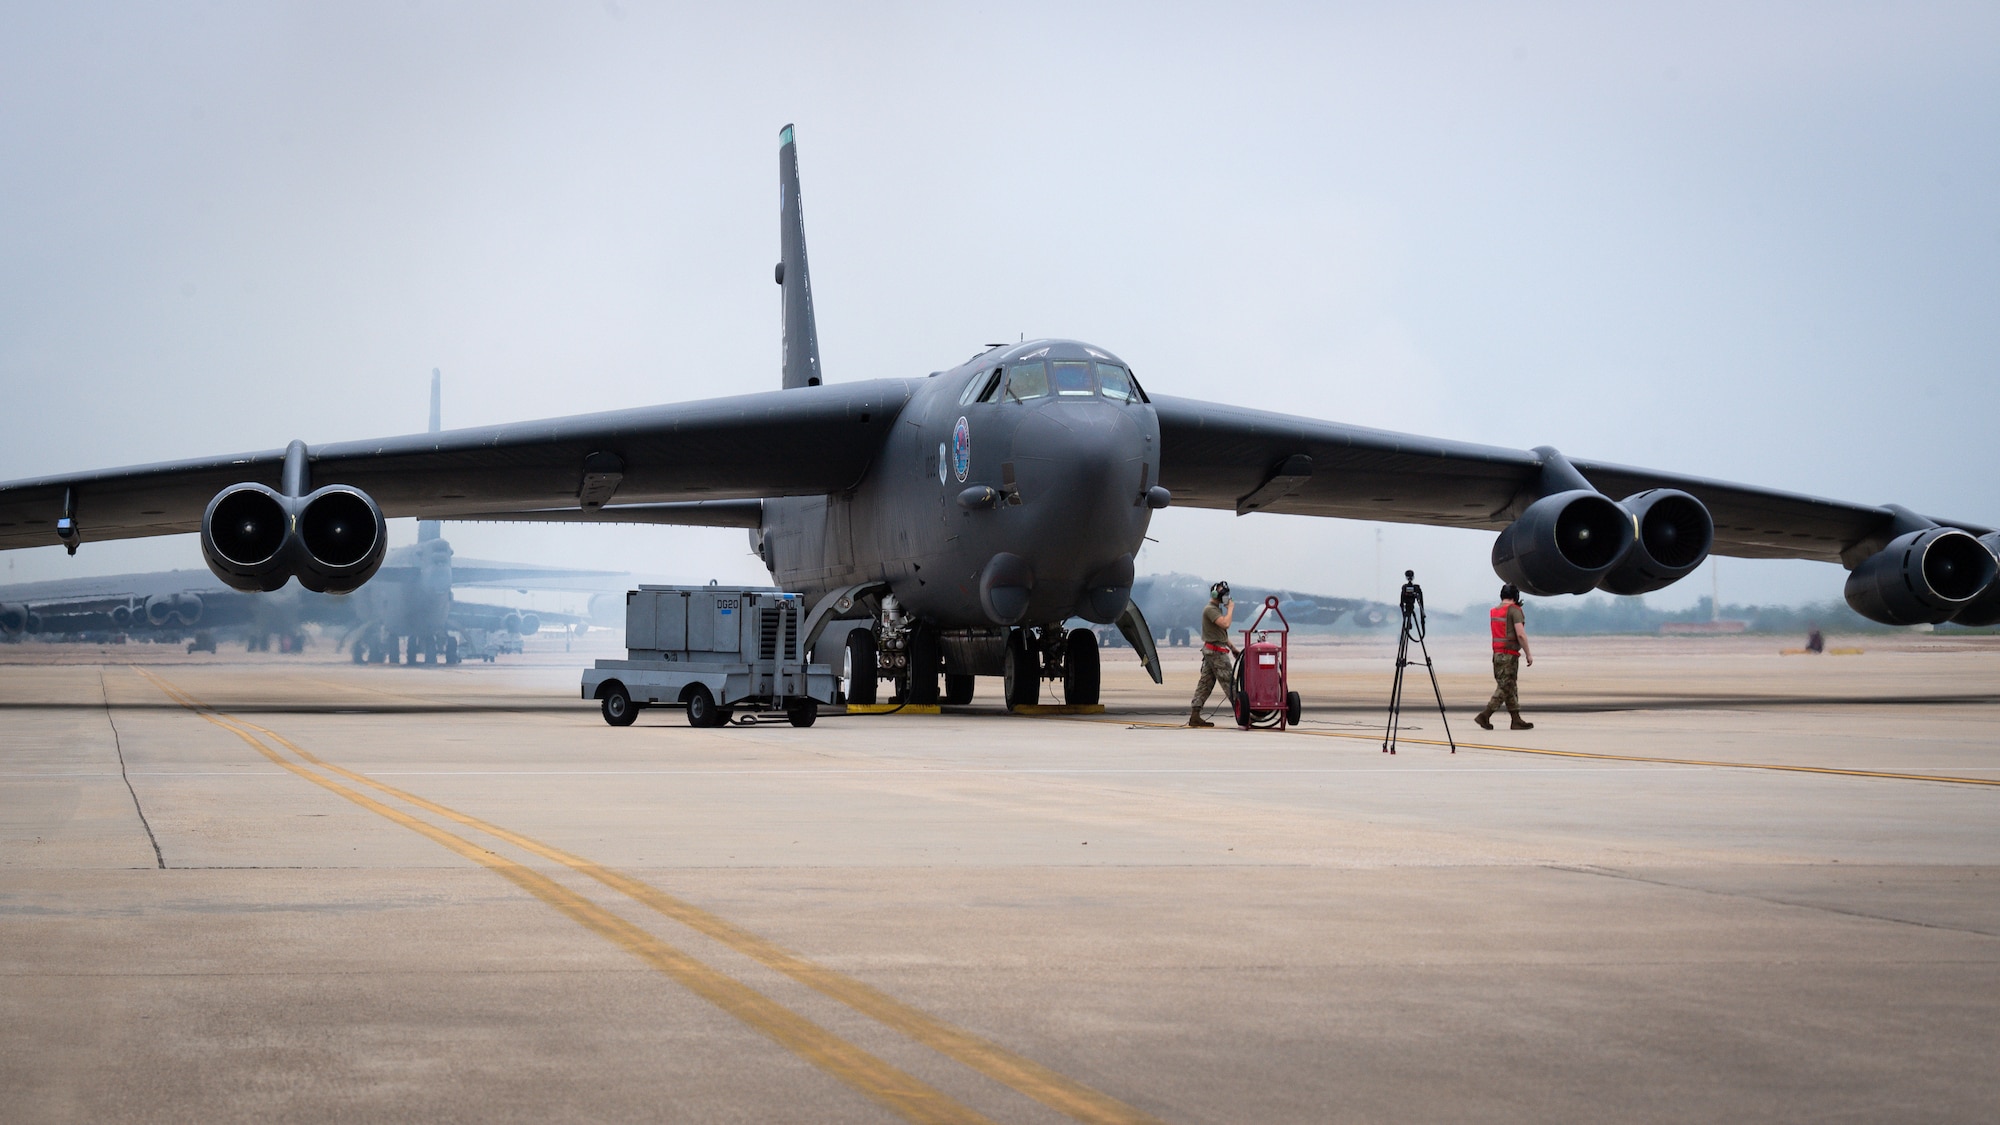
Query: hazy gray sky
[1757, 242]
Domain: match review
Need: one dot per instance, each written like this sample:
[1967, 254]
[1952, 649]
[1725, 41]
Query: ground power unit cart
[718, 651]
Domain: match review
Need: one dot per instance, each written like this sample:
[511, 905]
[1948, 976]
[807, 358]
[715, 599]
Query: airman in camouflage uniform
[1510, 647]
[1216, 665]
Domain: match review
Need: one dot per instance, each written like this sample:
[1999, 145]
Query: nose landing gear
[1048, 653]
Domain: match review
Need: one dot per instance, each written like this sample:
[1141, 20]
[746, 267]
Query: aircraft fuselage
[1070, 471]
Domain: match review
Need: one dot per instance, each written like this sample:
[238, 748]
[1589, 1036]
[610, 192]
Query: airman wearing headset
[1216, 652]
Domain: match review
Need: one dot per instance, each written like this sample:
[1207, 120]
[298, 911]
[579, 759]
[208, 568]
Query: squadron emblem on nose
[961, 448]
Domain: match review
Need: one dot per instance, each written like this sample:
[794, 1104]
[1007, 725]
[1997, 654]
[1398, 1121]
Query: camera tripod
[1413, 626]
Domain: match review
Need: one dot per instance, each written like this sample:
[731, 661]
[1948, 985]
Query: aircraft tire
[1082, 673]
[451, 650]
[359, 652]
[1023, 675]
[802, 712]
[617, 705]
[925, 663]
[860, 672]
[958, 689]
[702, 711]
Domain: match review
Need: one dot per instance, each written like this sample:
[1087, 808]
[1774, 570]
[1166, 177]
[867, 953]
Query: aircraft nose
[1081, 469]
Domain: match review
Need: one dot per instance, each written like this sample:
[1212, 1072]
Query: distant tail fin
[801, 337]
[428, 530]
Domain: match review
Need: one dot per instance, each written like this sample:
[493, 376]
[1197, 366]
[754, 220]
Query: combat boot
[1519, 723]
[1484, 719]
[1195, 719]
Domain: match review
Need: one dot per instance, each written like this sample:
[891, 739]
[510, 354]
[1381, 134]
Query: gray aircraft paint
[850, 490]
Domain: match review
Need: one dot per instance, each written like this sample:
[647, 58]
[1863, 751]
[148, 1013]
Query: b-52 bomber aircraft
[953, 523]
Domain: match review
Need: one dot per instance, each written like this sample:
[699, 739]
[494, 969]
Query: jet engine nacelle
[1674, 534]
[18, 618]
[1566, 543]
[1984, 609]
[332, 540]
[162, 609]
[339, 539]
[1923, 577]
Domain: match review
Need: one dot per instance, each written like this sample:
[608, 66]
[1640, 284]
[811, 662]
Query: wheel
[702, 711]
[1023, 675]
[1293, 708]
[802, 712]
[1081, 672]
[925, 664]
[957, 688]
[858, 673]
[359, 652]
[1240, 705]
[617, 705]
[451, 650]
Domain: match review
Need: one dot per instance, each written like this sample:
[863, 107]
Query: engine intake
[1675, 533]
[1984, 609]
[340, 538]
[243, 535]
[18, 618]
[1923, 577]
[1563, 544]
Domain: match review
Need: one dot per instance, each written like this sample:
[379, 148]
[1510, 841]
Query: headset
[1219, 591]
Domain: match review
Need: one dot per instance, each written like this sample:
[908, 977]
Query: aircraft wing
[803, 441]
[483, 572]
[1218, 456]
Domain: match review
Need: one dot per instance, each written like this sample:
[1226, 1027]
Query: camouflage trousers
[1507, 675]
[1216, 667]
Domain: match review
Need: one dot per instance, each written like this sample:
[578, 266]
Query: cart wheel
[802, 712]
[617, 705]
[702, 711]
[1293, 708]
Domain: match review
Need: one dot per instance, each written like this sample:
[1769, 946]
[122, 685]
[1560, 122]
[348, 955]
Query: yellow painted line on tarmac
[891, 1087]
[1024, 1075]
[1376, 738]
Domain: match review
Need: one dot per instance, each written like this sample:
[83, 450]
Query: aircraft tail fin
[801, 358]
[428, 530]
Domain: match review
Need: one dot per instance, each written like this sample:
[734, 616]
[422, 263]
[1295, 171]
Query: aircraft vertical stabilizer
[428, 530]
[801, 337]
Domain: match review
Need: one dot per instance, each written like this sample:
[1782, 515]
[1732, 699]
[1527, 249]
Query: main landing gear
[910, 655]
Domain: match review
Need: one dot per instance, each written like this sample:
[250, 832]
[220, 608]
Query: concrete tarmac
[1715, 883]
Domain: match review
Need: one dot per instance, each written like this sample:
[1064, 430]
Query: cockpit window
[1071, 377]
[1026, 381]
[981, 387]
[1114, 383]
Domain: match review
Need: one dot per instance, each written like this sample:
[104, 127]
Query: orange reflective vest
[1498, 616]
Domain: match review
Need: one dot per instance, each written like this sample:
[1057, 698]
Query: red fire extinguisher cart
[1263, 692]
